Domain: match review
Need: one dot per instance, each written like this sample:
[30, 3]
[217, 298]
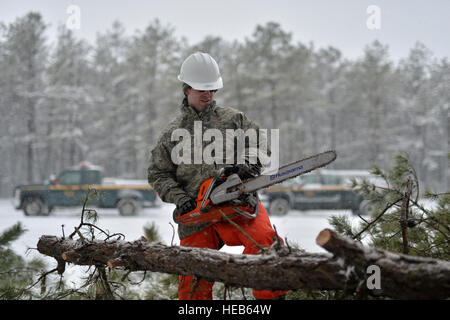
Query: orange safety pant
[259, 229]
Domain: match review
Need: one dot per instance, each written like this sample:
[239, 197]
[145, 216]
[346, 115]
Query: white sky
[324, 22]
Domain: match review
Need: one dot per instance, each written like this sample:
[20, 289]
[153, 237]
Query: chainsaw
[228, 196]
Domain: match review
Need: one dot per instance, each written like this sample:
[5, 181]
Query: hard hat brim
[204, 86]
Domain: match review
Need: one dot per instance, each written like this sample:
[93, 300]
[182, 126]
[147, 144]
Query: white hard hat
[201, 72]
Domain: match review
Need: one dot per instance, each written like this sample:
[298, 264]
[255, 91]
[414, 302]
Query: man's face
[199, 99]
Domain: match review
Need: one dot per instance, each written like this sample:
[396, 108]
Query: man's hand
[244, 171]
[186, 204]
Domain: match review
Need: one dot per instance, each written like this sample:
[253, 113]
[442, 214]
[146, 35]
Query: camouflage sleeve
[162, 174]
[260, 151]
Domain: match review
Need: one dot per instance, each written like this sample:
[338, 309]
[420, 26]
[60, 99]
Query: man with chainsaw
[180, 182]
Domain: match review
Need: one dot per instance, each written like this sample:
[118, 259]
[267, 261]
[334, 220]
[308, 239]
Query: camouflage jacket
[173, 181]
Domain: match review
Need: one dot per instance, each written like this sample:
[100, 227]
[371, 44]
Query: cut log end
[116, 263]
[323, 237]
[70, 256]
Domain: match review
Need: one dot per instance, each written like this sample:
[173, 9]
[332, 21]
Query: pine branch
[377, 218]
[11, 234]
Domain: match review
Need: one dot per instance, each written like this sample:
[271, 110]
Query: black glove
[186, 204]
[244, 171]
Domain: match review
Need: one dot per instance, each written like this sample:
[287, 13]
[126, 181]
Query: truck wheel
[128, 207]
[279, 207]
[34, 206]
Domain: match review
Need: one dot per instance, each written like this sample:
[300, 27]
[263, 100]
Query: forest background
[66, 101]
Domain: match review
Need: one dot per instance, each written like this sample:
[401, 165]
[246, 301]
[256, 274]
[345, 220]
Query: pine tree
[400, 221]
[66, 105]
[17, 275]
[25, 53]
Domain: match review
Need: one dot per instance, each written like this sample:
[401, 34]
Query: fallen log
[402, 276]
[414, 278]
[270, 271]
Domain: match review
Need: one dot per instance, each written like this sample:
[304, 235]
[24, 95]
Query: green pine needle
[11, 234]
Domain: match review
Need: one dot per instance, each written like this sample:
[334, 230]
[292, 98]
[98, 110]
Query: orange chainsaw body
[211, 213]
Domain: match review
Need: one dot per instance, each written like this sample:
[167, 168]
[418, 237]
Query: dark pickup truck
[322, 189]
[70, 187]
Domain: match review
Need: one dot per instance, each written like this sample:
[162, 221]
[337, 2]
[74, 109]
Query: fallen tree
[402, 276]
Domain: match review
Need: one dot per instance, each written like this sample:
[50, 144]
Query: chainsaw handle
[204, 212]
[203, 189]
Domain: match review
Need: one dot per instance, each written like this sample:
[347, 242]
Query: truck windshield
[310, 179]
[91, 177]
[330, 180]
[70, 177]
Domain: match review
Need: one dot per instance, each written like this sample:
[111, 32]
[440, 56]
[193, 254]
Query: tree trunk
[402, 276]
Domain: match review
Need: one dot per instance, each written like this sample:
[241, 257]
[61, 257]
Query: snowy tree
[440, 114]
[328, 70]
[112, 110]
[24, 57]
[108, 103]
[66, 104]
[6, 119]
[416, 104]
[266, 67]
[372, 85]
[153, 63]
[274, 83]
